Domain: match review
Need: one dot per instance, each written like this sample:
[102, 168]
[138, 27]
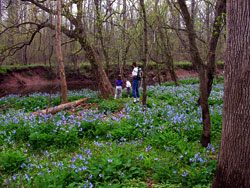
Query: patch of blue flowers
[93, 148]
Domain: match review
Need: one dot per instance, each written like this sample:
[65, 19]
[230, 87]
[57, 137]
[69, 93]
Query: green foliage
[5, 68]
[183, 64]
[109, 106]
[11, 161]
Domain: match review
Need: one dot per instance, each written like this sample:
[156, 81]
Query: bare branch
[68, 42]
[13, 49]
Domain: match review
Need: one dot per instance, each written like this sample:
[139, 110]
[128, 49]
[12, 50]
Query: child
[128, 87]
[118, 90]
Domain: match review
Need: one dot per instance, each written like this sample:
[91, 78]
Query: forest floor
[109, 143]
[20, 79]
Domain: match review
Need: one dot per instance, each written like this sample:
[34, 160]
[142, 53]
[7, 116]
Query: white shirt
[135, 71]
[128, 84]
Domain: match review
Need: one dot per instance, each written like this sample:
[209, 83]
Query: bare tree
[203, 71]
[80, 34]
[164, 44]
[63, 82]
[145, 53]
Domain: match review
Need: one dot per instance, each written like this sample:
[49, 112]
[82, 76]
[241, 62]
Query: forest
[124, 93]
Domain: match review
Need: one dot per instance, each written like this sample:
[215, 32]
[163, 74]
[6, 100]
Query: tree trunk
[51, 50]
[124, 52]
[173, 75]
[1, 11]
[193, 11]
[206, 133]
[233, 169]
[167, 53]
[59, 55]
[25, 60]
[102, 80]
[59, 108]
[219, 10]
[50, 41]
[197, 62]
[101, 77]
[145, 54]
[207, 22]
[99, 26]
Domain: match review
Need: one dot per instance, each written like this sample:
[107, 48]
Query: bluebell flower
[27, 177]
[90, 176]
[184, 174]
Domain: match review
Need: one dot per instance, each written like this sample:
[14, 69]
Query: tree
[145, 53]
[79, 33]
[205, 72]
[233, 169]
[99, 25]
[164, 45]
[59, 55]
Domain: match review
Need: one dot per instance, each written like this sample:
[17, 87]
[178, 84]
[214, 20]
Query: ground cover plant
[110, 143]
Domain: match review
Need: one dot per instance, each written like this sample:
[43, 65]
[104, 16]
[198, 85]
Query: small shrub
[11, 161]
[109, 106]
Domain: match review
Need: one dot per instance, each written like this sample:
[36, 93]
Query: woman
[136, 82]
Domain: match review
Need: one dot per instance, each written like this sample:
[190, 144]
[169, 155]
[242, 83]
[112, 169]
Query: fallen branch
[59, 108]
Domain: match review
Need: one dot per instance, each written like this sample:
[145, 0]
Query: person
[136, 77]
[128, 87]
[118, 89]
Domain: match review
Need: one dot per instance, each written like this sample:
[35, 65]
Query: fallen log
[59, 108]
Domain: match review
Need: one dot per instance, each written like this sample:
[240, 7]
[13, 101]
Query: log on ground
[59, 108]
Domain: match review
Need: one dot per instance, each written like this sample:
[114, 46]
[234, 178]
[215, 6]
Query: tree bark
[145, 54]
[0, 11]
[124, 46]
[99, 26]
[101, 77]
[219, 10]
[233, 169]
[59, 55]
[25, 60]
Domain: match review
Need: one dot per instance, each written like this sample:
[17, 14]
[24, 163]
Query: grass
[5, 68]
[87, 66]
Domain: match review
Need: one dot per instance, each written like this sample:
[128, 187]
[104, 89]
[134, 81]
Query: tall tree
[233, 168]
[165, 45]
[205, 72]
[80, 34]
[63, 82]
[0, 11]
[145, 53]
[99, 25]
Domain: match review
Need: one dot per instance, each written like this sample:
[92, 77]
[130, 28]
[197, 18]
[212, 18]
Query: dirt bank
[32, 78]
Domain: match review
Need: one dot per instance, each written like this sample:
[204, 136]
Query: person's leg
[134, 84]
[119, 93]
[115, 93]
[137, 90]
[128, 92]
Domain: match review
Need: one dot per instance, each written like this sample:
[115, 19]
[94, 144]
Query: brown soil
[41, 76]
[24, 77]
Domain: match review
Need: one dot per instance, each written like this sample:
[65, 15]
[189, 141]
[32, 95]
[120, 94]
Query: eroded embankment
[26, 80]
